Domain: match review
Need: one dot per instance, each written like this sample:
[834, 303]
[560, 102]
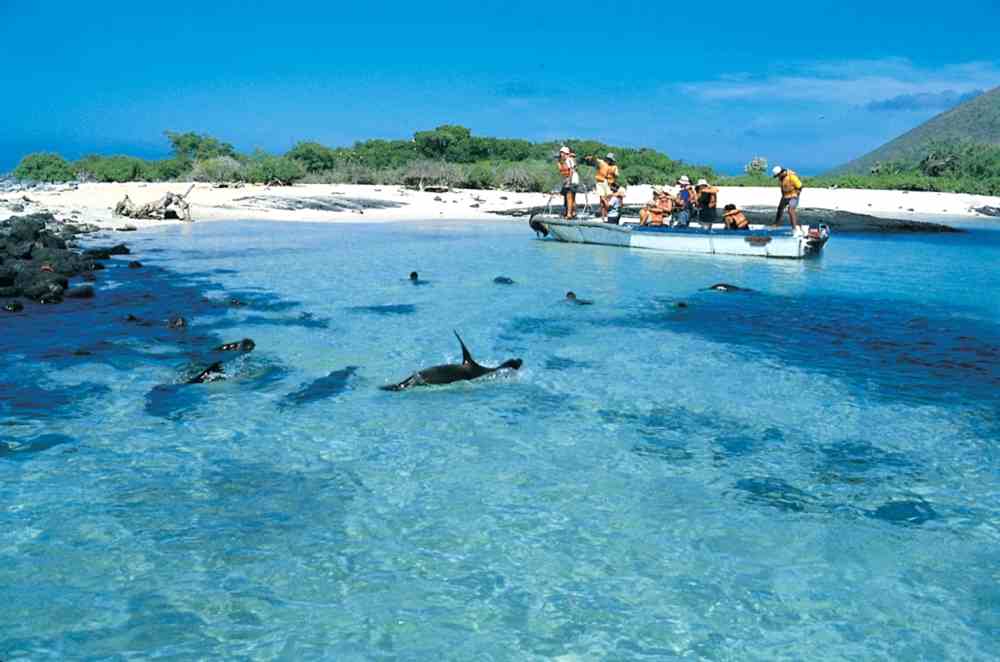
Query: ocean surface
[805, 471]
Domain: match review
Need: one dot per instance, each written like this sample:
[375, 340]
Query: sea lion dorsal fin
[466, 356]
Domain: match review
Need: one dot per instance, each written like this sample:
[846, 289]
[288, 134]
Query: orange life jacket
[737, 219]
[665, 203]
[606, 172]
[564, 168]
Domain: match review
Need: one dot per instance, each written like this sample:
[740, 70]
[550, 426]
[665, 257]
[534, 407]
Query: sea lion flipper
[466, 356]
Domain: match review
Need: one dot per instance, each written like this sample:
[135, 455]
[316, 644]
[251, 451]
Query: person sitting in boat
[658, 209]
[685, 201]
[606, 175]
[734, 218]
[567, 170]
[706, 197]
[615, 203]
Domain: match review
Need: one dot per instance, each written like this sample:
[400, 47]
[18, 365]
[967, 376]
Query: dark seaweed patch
[24, 450]
[386, 309]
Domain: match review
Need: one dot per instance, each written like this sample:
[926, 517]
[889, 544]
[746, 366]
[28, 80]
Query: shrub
[267, 169]
[482, 175]
[431, 173]
[44, 167]
[115, 169]
[313, 156]
[218, 169]
[192, 146]
[167, 170]
[529, 176]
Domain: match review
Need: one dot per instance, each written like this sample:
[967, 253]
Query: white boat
[758, 241]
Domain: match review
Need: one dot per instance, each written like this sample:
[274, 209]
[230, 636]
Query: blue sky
[809, 84]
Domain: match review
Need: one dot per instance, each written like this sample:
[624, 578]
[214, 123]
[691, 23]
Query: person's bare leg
[781, 210]
[565, 205]
[604, 208]
[793, 216]
[572, 204]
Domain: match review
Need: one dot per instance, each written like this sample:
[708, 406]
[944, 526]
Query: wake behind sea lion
[209, 374]
[451, 372]
[726, 287]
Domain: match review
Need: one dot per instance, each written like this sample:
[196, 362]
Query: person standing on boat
[685, 201]
[707, 199]
[567, 169]
[791, 188]
[606, 175]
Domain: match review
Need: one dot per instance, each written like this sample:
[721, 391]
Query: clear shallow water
[807, 471]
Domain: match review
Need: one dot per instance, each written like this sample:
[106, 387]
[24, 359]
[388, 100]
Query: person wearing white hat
[606, 175]
[567, 169]
[791, 187]
[685, 201]
[707, 199]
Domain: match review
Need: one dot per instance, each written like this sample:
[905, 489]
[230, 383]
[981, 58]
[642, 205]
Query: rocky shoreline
[40, 254]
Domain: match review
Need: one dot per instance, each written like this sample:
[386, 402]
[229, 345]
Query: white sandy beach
[93, 203]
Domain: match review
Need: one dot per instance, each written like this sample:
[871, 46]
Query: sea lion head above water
[245, 345]
[572, 298]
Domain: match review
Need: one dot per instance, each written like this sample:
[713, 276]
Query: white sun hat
[702, 182]
[776, 170]
[684, 180]
[564, 150]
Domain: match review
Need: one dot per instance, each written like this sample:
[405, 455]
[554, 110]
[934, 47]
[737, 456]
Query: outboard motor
[539, 229]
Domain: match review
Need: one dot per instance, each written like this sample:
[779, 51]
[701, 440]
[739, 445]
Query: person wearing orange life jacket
[659, 208]
[570, 181]
[791, 187]
[606, 175]
[735, 219]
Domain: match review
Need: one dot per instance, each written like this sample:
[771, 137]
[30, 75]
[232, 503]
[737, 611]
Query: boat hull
[777, 243]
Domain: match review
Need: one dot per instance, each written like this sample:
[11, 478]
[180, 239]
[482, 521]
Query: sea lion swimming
[726, 287]
[503, 280]
[245, 345]
[209, 374]
[415, 279]
[572, 298]
[451, 372]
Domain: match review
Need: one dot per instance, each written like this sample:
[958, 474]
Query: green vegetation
[958, 167]
[975, 121]
[448, 155]
[944, 166]
[44, 167]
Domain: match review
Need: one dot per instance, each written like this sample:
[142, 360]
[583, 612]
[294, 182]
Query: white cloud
[850, 82]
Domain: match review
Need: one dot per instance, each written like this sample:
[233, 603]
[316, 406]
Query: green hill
[976, 120]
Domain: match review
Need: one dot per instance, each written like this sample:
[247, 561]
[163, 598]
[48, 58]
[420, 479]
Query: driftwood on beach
[170, 206]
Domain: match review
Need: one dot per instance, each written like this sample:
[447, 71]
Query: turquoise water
[805, 471]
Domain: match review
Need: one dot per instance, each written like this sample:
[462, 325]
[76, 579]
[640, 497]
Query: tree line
[448, 155]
